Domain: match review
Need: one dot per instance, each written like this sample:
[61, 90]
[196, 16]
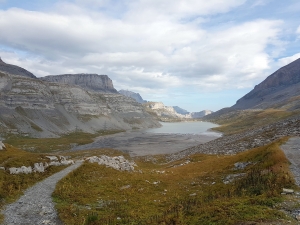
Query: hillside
[274, 99]
[135, 96]
[12, 69]
[38, 108]
[280, 90]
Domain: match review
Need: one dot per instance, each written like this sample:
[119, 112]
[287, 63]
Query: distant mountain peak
[131, 94]
[15, 70]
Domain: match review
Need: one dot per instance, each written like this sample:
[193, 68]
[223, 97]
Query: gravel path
[36, 207]
[292, 151]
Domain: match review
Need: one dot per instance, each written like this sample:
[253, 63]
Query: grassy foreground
[178, 192]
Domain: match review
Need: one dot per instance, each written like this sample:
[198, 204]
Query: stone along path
[36, 205]
[292, 151]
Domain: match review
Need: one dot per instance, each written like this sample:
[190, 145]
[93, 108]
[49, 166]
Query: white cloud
[298, 30]
[287, 60]
[150, 47]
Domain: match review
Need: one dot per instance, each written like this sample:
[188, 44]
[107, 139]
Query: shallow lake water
[193, 127]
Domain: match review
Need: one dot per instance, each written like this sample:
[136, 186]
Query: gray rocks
[22, 169]
[2, 146]
[117, 162]
[235, 143]
[41, 167]
[47, 109]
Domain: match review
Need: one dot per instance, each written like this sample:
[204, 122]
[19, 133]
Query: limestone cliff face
[38, 108]
[171, 113]
[12, 69]
[90, 82]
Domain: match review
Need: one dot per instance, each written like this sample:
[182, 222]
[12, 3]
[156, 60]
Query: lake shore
[142, 143]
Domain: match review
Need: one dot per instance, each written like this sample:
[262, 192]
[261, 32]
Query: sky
[195, 54]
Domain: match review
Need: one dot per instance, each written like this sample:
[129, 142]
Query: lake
[197, 127]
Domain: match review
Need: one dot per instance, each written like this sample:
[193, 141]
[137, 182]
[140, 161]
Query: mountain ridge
[13, 69]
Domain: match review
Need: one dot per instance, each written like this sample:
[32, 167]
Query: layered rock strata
[89, 82]
[30, 106]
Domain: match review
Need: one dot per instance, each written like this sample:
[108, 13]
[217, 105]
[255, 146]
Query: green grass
[44, 145]
[189, 194]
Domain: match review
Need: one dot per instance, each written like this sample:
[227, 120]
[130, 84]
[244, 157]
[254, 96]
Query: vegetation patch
[189, 191]
[239, 121]
[44, 145]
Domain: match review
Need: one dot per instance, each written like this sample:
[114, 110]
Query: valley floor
[137, 143]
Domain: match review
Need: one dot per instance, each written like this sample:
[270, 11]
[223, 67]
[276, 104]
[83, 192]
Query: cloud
[153, 45]
[287, 60]
[298, 30]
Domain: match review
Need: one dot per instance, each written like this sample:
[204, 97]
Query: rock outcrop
[12, 69]
[38, 108]
[89, 82]
[2, 146]
[135, 96]
[41, 166]
[117, 162]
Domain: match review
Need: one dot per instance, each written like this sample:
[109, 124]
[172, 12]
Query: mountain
[180, 110]
[135, 96]
[39, 108]
[12, 69]
[173, 113]
[200, 114]
[280, 90]
[89, 82]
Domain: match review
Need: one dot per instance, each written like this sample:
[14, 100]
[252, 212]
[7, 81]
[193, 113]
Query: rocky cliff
[90, 82]
[200, 114]
[135, 96]
[12, 69]
[39, 108]
[170, 113]
[280, 90]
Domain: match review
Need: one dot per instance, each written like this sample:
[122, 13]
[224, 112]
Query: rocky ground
[235, 143]
[138, 143]
[36, 205]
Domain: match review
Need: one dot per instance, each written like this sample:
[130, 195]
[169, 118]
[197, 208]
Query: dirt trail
[292, 151]
[36, 205]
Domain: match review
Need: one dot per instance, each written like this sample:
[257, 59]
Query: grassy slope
[240, 121]
[190, 194]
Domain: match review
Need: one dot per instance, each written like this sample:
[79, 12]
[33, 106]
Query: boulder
[117, 162]
[22, 169]
[2, 146]
[52, 158]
